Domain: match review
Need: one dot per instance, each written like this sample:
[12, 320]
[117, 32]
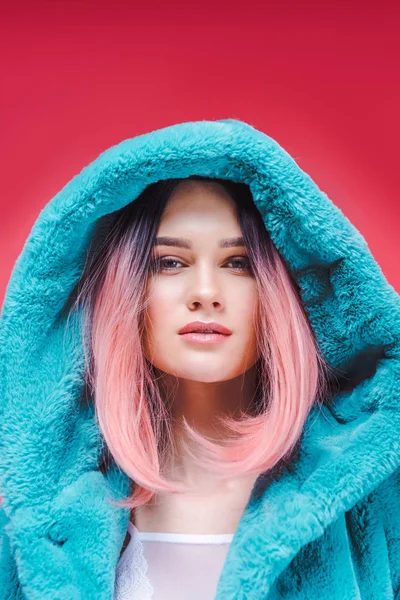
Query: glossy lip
[204, 338]
[196, 326]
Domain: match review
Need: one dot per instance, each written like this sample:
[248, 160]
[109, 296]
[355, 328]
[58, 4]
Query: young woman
[200, 363]
[189, 256]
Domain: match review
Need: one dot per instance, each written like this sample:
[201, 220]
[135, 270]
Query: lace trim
[132, 582]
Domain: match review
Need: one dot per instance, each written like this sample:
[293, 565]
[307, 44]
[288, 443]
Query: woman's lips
[204, 338]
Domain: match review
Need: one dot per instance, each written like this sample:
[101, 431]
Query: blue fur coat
[328, 528]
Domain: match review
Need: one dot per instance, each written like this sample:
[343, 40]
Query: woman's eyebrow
[184, 243]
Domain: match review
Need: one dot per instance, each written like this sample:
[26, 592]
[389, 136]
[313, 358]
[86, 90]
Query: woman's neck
[214, 512]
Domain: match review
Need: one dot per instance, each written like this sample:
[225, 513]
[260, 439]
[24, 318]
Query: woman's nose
[206, 288]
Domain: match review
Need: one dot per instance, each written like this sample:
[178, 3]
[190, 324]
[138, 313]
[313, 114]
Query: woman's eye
[159, 263]
[241, 259]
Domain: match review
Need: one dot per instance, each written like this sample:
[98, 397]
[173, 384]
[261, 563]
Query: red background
[323, 80]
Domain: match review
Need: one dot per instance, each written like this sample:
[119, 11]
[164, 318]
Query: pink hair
[132, 414]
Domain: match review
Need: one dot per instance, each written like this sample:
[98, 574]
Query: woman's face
[204, 282]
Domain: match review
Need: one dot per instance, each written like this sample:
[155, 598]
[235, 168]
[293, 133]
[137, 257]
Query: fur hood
[329, 526]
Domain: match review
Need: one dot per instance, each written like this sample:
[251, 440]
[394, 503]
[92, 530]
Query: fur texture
[328, 527]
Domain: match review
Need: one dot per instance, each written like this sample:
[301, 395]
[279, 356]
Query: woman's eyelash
[158, 262]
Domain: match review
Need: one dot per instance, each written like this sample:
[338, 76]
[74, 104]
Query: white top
[170, 566]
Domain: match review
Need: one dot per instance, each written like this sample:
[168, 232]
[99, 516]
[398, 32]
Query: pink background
[323, 80]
